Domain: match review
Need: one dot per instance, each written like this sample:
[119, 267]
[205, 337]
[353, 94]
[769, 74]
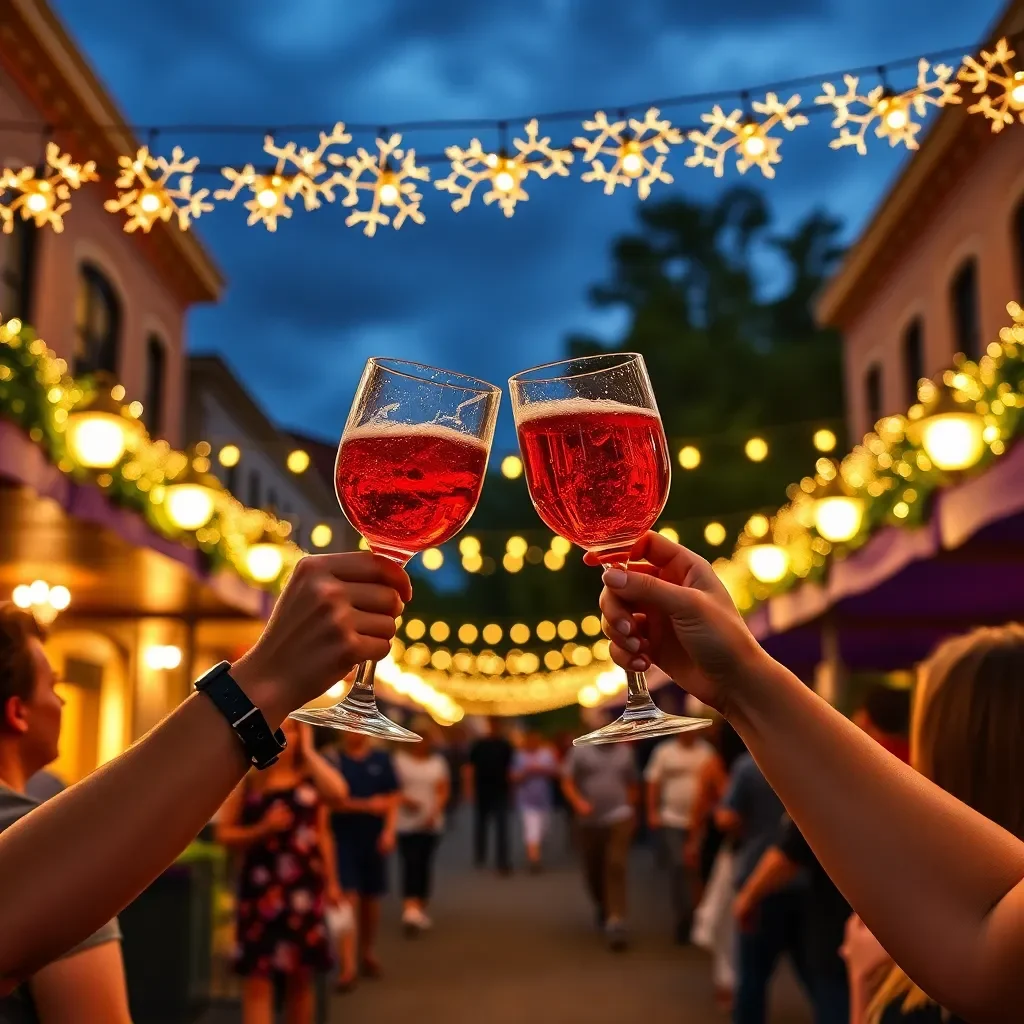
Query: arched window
[1018, 245]
[873, 395]
[153, 403]
[913, 359]
[97, 323]
[963, 297]
[17, 269]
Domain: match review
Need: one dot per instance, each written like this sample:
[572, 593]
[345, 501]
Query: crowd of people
[882, 856]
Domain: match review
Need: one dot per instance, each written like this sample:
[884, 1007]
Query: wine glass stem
[362, 693]
[637, 694]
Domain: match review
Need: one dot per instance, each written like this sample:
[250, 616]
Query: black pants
[416, 850]
[486, 812]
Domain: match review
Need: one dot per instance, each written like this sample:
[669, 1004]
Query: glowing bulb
[472, 563]
[516, 547]
[97, 439]
[512, 563]
[60, 598]
[469, 546]
[512, 467]
[22, 596]
[264, 562]
[519, 633]
[40, 592]
[589, 696]
[546, 631]
[591, 625]
[756, 449]
[689, 457]
[714, 534]
[433, 558]
[768, 563]
[162, 656]
[37, 202]
[953, 440]
[267, 198]
[894, 113]
[553, 560]
[439, 631]
[567, 629]
[504, 181]
[415, 629]
[757, 525]
[838, 517]
[150, 202]
[298, 461]
[632, 159]
[752, 142]
[321, 535]
[669, 534]
[468, 633]
[1017, 92]
[189, 506]
[229, 455]
[387, 191]
[560, 546]
[824, 440]
[491, 633]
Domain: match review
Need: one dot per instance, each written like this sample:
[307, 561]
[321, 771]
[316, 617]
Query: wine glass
[598, 469]
[410, 467]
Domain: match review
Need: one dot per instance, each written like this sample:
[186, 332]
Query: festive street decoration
[148, 192]
[628, 141]
[995, 70]
[505, 173]
[392, 174]
[894, 112]
[43, 198]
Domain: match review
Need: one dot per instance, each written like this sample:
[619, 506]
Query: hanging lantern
[191, 497]
[98, 431]
[838, 513]
[768, 561]
[951, 432]
[265, 559]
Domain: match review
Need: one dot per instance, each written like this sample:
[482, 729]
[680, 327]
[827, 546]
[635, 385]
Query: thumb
[644, 589]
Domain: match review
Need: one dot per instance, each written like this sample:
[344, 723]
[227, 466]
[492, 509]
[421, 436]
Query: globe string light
[153, 188]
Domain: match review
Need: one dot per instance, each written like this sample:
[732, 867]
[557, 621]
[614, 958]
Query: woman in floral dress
[278, 820]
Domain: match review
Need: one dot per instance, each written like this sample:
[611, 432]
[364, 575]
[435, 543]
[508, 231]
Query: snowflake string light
[628, 142]
[750, 138]
[894, 112]
[391, 175]
[147, 192]
[298, 172]
[996, 69]
[43, 200]
[505, 173]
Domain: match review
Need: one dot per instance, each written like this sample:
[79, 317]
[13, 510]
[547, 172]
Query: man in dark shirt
[487, 784]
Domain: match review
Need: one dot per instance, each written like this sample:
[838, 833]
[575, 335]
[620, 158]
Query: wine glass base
[368, 722]
[644, 723]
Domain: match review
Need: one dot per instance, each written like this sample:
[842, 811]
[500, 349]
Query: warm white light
[229, 455]
[504, 181]
[756, 449]
[1017, 92]
[39, 592]
[632, 160]
[37, 202]
[768, 562]
[189, 506]
[433, 558]
[953, 440]
[512, 467]
[752, 142]
[561, 546]
[97, 439]
[469, 546]
[516, 546]
[264, 562]
[894, 112]
[757, 525]
[388, 192]
[553, 560]
[298, 461]
[320, 536]
[838, 517]
[589, 696]
[689, 457]
[60, 597]
[267, 198]
[824, 440]
[22, 596]
[669, 534]
[714, 534]
[162, 656]
[150, 202]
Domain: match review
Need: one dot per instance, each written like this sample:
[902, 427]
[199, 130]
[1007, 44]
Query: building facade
[933, 271]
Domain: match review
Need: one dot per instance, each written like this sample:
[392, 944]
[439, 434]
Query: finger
[621, 638]
[372, 624]
[685, 565]
[628, 660]
[373, 597]
[636, 588]
[362, 567]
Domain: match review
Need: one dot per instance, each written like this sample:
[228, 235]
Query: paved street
[523, 949]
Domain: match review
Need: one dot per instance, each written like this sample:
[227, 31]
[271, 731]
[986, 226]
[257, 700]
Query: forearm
[391, 818]
[238, 837]
[329, 783]
[921, 869]
[138, 812]
[774, 871]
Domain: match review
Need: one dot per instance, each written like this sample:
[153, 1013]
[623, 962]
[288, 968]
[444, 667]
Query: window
[231, 478]
[963, 294]
[1018, 245]
[97, 323]
[254, 489]
[272, 501]
[17, 269]
[873, 394]
[153, 403]
[913, 358]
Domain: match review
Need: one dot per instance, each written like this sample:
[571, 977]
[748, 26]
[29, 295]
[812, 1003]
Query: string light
[321, 535]
[469, 546]
[995, 70]
[512, 467]
[757, 526]
[714, 534]
[45, 199]
[148, 193]
[516, 546]
[756, 449]
[689, 457]
[825, 440]
[297, 461]
[669, 534]
[45, 602]
[439, 631]
[432, 558]
[560, 546]
[229, 455]
[768, 563]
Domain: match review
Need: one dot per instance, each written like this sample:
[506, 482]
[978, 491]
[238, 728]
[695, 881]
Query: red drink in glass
[598, 471]
[407, 487]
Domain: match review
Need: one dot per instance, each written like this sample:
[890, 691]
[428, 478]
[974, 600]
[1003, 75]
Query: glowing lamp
[768, 563]
[40, 200]
[229, 455]
[265, 559]
[321, 535]
[894, 113]
[951, 433]
[97, 431]
[512, 467]
[632, 160]
[387, 188]
[837, 513]
[269, 191]
[506, 176]
[1016, 91]
[151, 201]
[752, 141]
[191, 497]
[298, 461]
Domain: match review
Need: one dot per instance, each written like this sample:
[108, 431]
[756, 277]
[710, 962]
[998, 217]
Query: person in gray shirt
[88, 982]
[601, 785]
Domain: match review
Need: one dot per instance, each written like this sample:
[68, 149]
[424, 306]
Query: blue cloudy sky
[474, 291]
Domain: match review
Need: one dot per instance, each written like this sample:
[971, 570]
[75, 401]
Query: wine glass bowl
[410, 468]
[598, 470]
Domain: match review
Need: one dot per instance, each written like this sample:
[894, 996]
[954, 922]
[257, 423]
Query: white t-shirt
[418, 779]
[675, 767]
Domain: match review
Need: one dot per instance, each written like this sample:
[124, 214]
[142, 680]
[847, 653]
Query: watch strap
[262, 745]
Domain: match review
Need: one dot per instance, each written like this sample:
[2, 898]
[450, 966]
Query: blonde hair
[965, 737]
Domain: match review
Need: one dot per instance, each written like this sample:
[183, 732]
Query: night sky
[472, 291]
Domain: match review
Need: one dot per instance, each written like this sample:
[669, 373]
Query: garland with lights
[381, 185]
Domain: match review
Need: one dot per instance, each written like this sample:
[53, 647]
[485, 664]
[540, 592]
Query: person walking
[602, 787]
[364, 835]
[424, 781]
[486, 783]
[534, 766]
[671, 778]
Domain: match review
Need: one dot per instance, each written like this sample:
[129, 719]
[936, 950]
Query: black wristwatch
[261, 745]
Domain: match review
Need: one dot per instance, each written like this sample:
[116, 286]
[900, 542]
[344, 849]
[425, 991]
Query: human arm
[93, 978]
[939, 885]
[580, 805]
[330, 783]
[442, 791]
[774, 871]
[232, 833]
[332, 889]
[391, 800]
[867, 964]
[128, 820]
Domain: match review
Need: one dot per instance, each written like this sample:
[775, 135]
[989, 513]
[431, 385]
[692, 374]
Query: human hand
[278, 819]
[744, 911]
[673, 611]
[336, 611]
[583, 808]
[379, 805]
[691, 852]
[386, 843]
[333, 895]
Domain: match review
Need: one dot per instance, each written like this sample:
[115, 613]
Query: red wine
[598, 471]
[408, 487]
